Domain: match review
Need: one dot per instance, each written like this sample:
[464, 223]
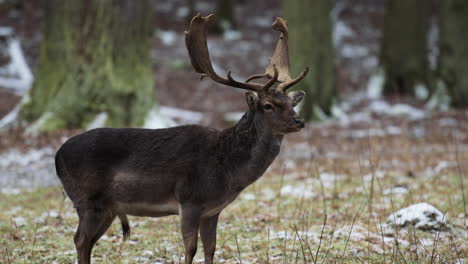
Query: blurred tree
[403, 50]
[310, 44]
[94, 58]
[453, 60]
[224, 16]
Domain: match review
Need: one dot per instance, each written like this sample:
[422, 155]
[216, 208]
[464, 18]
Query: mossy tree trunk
[453, 64]
[225, 18]
[310, 44]
[94, 58]
[403, 50]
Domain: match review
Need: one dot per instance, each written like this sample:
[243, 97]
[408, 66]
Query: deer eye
[267, 107]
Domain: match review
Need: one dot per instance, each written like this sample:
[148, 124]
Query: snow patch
[15, 158]
[421, 91]
[447, 122]
[422, 216]
[168, 38]
[297, 191]
[10, 191]
[16, 75]
[341, 31]
[439, 99]
[248, 196]
[375, 85]
[19, 221]
[353, 51]
[396, 191]
[261, 21]
[182, 12]
[155, 119]
[233, 116]
[300, 151]
[398, 110]
[27, 169]
[181, 116]
[329, 179]
[8, 120]
[232, 35]
[99, 121]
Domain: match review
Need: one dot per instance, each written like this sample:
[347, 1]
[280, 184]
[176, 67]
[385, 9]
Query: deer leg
[190, 220]
[208, 236]
[93, 224]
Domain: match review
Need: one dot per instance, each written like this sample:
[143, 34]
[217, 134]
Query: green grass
[262, 226]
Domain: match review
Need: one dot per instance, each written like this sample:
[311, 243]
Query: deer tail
[125, 226]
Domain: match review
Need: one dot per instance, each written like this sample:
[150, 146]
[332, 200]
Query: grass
[321, 221]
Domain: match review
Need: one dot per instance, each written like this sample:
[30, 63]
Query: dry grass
[322, 220]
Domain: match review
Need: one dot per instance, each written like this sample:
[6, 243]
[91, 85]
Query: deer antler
[196, 42]
[280, 59]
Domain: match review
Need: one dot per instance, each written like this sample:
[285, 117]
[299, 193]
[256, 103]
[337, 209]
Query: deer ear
[252, 100]
[296, 96]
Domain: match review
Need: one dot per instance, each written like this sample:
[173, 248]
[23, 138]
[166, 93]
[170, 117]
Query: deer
[190, 170]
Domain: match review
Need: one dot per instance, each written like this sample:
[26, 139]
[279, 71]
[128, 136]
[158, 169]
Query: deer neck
[250, 149]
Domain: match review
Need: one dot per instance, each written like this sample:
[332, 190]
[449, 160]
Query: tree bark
[453, 64]
[94, 58]
[403, 52]
[310, 44]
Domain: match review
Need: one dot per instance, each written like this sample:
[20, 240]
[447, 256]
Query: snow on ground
[32, 168]
[421, 215]
[15, 75]
[298, 191]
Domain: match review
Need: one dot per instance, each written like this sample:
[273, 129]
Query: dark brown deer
[192, 171]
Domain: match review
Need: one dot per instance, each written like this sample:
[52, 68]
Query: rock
[422, 216]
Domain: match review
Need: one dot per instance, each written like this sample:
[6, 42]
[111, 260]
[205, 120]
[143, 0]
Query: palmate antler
[280, 59]
[196, 41]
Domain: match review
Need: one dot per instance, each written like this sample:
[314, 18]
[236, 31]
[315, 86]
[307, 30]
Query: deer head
[269, 100]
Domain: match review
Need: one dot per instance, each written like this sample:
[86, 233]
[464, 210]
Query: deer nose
[299, 121]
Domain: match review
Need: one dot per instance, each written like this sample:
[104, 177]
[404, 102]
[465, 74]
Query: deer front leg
[208, 236]
[190, 221]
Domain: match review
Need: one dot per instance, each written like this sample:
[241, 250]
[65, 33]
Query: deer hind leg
[190, 221]
[93, 224]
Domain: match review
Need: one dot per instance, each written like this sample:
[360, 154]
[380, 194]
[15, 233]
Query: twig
[278, 207]
[238, 249]
[268, 242]
[434, 248]
[320, 241]
[383, 240]
[349, 235]
[34, 243]
[302, 247]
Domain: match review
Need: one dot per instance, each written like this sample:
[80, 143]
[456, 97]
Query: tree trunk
[403, 52]
[453, 64]
[94, 58]
[225, 18]
[310, 44]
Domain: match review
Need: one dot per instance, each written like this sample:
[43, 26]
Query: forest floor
[315, 211]
[329, 196]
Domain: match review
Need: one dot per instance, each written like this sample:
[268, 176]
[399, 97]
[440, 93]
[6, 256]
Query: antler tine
[196, 42]
[284, 86]
[258, 76]
[272, 80]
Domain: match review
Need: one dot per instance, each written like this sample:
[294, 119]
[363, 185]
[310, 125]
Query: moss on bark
[95, 57]
[403, 50]
[310, 44]
[453, 64]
